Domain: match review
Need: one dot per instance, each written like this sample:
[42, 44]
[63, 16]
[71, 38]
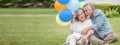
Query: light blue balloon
[73, 5]
[81, 0]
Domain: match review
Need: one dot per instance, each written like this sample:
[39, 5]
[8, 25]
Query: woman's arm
[84, 31]
[89, 33]
[69, 29]
[86, 37]
[89, 24]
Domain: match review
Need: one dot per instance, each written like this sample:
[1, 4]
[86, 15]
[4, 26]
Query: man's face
[88, 12]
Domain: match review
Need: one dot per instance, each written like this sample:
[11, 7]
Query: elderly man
[102, 29]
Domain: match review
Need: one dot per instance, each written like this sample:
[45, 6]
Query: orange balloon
[59, 6]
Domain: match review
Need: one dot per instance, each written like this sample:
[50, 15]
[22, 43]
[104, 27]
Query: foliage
[105, 7]
[112, 13]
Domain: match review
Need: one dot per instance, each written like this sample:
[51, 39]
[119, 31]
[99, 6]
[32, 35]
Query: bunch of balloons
[65, 9]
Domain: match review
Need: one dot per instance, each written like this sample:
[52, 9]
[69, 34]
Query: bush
[112, 13]
[109, 10]
[23, 3]
[106, 7]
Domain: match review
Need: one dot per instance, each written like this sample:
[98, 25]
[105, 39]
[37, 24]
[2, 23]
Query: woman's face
[81, 16]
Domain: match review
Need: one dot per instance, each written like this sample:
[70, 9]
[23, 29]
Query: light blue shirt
[101, 26]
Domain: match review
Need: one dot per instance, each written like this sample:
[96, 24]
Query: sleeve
[73, 26]
[99, 19]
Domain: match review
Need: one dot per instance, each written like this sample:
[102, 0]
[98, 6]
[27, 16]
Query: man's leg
[110, 38]
[95, 40]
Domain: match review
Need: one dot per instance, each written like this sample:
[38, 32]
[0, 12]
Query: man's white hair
[89, 5]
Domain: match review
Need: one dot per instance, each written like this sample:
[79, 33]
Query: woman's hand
[83, 39]
[83, 32]
[74, 15]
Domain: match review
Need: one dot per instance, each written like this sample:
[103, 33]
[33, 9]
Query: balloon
[59, 22]
[59, 7]
[82, 4]
[73, 5]
[81, 0]
[63, 1]
[65, 15]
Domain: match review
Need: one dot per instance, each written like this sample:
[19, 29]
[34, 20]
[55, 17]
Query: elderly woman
[79, 22]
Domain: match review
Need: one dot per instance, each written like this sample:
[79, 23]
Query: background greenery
[48, 11]
[37, 29]
[109, 10]
[26, 3]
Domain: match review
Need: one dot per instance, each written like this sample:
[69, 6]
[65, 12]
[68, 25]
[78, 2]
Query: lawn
[28, 11]
[38, 30]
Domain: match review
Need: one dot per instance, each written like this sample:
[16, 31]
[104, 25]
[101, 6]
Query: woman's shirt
[78, 26]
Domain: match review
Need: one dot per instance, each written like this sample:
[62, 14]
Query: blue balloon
[81, 0]
[63, 1]
[74, 5]
[65, 15]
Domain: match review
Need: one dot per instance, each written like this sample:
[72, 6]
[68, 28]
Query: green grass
[38, 30]
[28, 11]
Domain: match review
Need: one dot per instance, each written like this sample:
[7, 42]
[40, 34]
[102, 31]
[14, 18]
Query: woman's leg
[67, 40]
[73, 41]
[71, 37]
[84, 39]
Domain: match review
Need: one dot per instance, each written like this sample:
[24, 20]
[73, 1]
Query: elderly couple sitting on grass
[90, 26]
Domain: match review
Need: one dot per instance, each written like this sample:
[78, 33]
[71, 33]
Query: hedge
[105, 7]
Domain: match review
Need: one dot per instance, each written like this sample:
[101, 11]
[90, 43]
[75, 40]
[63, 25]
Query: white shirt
[78, 26]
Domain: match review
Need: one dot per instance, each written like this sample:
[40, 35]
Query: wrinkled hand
[83, 32]
[83, 39]
[74, 15]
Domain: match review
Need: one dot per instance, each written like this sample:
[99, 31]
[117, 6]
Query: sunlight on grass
[38, 30]
[27, 11]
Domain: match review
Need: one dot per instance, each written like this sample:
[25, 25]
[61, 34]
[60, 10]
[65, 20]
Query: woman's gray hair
[89, 5]
[79, 10]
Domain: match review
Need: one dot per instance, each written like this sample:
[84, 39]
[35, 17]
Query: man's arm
[98, 21]
[97, 24]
